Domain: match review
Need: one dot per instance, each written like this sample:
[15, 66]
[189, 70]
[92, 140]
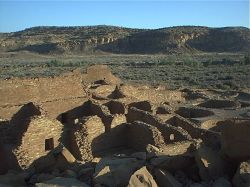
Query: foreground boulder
[142, 178]
[115, 171]
[242, 176]
[172, 163]
[221, 182]
[235, 139]
[37, 178]
[165, 179]
[59, 158]
[85, 175]
[12, 179]
[211, 165]
[62, 182]
[45, 163]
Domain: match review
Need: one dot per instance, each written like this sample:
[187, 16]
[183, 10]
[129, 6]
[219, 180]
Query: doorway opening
[49, 144]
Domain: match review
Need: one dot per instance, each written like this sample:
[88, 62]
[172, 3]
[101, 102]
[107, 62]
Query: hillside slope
[92, 39]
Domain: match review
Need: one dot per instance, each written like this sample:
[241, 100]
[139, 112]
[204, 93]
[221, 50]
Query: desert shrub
[170, 60]
[227, 77]
[163, 62]
[54, 63]
[193, 81]
[227, 85]
[231, 84]
[57, 63]
[222, 86]
[190, 61]
[226, 61]
[207, 63]
[247, 59]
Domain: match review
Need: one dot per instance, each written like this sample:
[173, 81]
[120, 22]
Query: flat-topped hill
[111, 39]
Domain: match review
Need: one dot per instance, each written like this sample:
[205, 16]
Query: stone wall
[5, 136]
[116, 107]
[141, 134]
[103, 112]
[190, 127]
[187, 112]
[142, 105]
[53, 93]
[117, 120]
[41, 136]
[144, 93]
[68, 117]
[170, 133]
[55, 108]
[90, 139]
[20, 120]
[100, 72]
[116, 137]
[56, 94]
[20, 91]
[84, 132]
[208, 137]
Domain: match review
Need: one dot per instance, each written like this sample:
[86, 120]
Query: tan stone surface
[32, 144]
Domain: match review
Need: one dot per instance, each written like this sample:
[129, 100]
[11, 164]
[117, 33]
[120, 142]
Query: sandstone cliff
[92, 39]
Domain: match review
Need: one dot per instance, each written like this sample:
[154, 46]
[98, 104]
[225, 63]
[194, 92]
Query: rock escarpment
[95, 39]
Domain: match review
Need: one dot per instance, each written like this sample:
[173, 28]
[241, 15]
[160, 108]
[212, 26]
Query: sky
[17, 15]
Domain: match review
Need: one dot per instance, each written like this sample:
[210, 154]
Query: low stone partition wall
[170, 133]
[141, 134]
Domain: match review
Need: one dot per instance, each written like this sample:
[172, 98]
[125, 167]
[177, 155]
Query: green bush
[54, 63]
[189, 61]
[167, 61]
[247, 59]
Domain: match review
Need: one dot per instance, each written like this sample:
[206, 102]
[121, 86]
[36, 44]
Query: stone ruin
[116, 135]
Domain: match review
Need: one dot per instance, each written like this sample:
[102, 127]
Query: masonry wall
[141, 134]
[5, 136]
[100, 72]
[94, 128]
[115, 138]
[20, 120]
[19, 91]
[102, 140]
[55, 108]
[116, 107]
[68, 117]
[52, 92]
[33, 142]
[179, 121]
[193, 112]
[167, 130]
[208, 137]
[103, 112]
[84, 132]
[142, 105]
[153, 95]
[90, 139]
[117, 120]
